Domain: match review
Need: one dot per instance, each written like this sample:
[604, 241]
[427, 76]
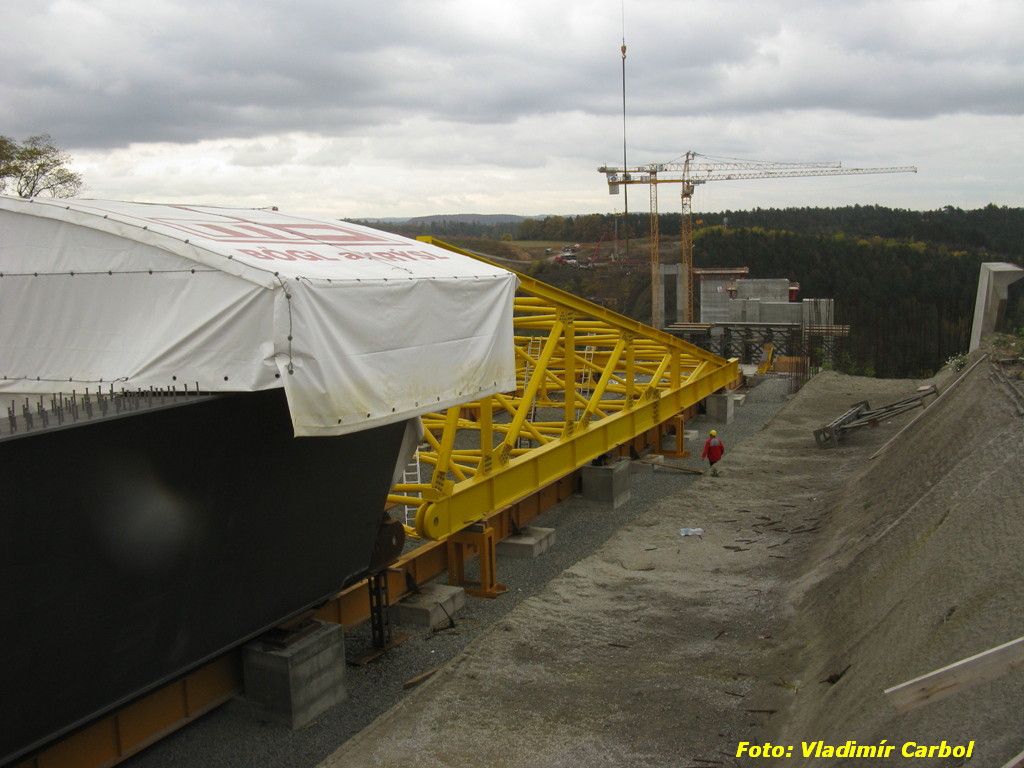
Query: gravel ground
[664, 650]
[231, 736]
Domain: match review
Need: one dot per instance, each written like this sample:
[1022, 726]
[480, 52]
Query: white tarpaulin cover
[360, 327]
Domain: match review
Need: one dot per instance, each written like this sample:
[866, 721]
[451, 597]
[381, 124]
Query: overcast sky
[408, 108]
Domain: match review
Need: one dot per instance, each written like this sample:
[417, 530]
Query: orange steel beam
[351, 607]
[116, 737]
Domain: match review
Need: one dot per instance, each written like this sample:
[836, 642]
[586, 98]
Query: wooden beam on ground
[412, 682]
[987, 665]
[1016, 762]
[663, 465]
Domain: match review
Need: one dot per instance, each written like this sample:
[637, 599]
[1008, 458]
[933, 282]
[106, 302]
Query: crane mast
[697, 169]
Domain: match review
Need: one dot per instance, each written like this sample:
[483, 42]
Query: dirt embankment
[663, 650]
[920, 567]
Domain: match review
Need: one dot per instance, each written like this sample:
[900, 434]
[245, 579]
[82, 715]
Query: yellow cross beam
[590, 380]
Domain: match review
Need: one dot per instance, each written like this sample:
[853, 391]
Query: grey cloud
[279, 151]
[190, 71]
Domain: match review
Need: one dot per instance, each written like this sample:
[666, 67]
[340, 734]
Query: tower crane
[698, 169]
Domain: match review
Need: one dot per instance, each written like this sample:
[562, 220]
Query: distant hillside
[904, 280]
[377, 221]
[493, 225]
[993, 230]
[468, 218]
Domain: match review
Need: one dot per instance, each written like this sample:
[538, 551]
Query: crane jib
[689, 174]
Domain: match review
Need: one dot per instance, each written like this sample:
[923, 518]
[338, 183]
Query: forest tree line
[995, 229]
[909, 304]
[904, 280]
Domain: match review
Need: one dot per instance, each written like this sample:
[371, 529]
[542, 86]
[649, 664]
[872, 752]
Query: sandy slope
[921, 567]
[660, 650]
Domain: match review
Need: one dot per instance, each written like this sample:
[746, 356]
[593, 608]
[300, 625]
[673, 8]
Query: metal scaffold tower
[591, 380]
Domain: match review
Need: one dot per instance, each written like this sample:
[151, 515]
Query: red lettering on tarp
[255, 254]
[229, 229]
[393, 255]
[282, 255]
[269, 254]
[260, 233]
[212, 229]
[311, 256]
[330, 233]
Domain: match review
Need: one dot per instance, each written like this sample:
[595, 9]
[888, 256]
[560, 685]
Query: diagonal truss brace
[589, 380]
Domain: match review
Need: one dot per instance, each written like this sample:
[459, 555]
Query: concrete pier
[608, 483]
[532, 542]
[294, 684]
[994, 281]
[721, 407]
[433, 606]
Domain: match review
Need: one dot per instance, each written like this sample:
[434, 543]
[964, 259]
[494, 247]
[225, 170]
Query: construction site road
[821, 578]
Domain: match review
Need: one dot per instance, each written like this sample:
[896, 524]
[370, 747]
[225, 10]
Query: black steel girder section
[134, 549]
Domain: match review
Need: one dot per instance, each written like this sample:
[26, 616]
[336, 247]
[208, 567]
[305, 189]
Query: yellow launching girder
[589, 379]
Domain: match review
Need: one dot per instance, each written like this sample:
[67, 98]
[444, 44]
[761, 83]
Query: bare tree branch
[37, 166]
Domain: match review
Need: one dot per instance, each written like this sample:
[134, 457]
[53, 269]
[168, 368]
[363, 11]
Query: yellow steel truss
[589, 380]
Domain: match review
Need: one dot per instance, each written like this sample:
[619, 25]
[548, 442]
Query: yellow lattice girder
[589, 379]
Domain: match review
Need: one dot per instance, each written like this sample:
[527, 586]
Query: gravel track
[231, 736]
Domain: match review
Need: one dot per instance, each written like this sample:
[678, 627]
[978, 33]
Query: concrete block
[766, 289]
[431, 607]
[720, 407]
[294, 685]
[531, 542]
[781, 312]
[642, 467]
[714, 301]
[668, 443]
[745, 311]
[739, 399]
[608, 484]
[748, 369]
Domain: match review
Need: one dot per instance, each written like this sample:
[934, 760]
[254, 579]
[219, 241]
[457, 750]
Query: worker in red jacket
[714, 449]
